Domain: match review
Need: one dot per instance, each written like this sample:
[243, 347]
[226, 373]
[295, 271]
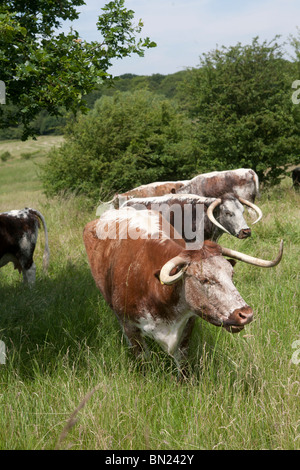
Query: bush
[240, 98]
[126, 140]
[5, 156]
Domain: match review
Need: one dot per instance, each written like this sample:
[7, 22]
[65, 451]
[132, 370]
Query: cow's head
[231, 218]
[208, 285]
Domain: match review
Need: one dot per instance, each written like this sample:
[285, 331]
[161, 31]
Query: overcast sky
[184, 29]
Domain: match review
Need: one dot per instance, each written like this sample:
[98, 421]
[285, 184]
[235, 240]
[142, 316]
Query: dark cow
[193, 218]
[156, 287]
[296, 177]
[18, 237]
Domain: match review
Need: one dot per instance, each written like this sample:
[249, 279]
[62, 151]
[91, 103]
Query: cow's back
[125, 270]
[242, 183]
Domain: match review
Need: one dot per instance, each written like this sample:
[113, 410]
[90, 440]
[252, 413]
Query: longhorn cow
[190, 213]
[156, 287]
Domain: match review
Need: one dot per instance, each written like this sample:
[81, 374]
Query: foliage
[46, 70]
[241, 100]
[126, 140]
[45, 124]
[62, 340]
[4, 156]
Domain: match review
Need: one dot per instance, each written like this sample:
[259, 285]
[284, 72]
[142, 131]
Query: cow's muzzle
[238, 319]
[244, 233]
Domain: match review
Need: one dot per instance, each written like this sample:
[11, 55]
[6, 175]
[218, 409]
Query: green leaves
[126, 140]
[44, 70]
[240, 99]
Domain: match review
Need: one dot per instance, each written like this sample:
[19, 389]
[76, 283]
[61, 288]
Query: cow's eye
[229, 214]
[207, 282]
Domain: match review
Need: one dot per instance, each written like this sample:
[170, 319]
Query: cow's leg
[136, 341]
[181, 354]
[29, 275]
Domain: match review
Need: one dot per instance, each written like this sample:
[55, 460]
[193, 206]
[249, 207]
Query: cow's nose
[241, 316]
[244, 233]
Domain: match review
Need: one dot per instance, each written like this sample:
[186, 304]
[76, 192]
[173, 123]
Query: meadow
[70, 382]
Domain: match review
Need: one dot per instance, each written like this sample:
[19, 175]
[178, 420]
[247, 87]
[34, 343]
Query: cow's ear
[232, 262]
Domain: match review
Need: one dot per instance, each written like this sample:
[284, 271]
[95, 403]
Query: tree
[127, 140]
[240, 98]
[46, 70]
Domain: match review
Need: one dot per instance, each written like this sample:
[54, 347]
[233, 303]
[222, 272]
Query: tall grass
[62, 341]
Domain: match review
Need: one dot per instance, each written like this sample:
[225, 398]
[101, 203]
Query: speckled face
[210, 292]
[232, 218]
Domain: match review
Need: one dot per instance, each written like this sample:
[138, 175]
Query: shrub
[5, 156]
[126, 140]
[240, 98]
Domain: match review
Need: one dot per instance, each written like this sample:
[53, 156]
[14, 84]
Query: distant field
[20, 173]
[41, 146]
[63, 343]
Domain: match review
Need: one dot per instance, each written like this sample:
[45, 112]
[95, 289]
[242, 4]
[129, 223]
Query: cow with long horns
[156, 287]
[192, 214]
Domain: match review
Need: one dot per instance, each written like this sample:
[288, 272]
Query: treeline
[234, 110]
[45, 124]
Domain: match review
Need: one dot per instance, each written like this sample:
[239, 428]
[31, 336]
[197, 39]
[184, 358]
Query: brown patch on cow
[154, 189]
[208, 249]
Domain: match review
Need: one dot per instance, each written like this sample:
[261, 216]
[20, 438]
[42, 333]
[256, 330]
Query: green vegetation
[62, 341]
[234, 111]
[241, 99]
[32, 52]
[126, 140]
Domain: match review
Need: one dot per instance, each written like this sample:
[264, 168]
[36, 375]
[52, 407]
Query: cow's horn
[211, 216]
[253, 206]
[164, 275]
[251, 260]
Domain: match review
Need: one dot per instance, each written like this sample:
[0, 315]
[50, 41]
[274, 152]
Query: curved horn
[211, 217]
[164, 274]
[251, 260]
[253, 206]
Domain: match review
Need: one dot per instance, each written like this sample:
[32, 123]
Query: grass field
[66, 357]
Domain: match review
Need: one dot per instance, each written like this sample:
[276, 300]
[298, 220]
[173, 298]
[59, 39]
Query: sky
[185, 29]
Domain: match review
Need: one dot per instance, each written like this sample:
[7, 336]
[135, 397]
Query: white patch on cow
[29, 274]
[25, 244]
[166, 333]
[167, 198]
[129, 223]
[14, 213]
[239, 172]
[18, 213]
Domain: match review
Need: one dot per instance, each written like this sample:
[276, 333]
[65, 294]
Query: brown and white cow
[242, 183]
[18, 237]
[231, 189]
[156, 287]
[158, 188]
[193, 216]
